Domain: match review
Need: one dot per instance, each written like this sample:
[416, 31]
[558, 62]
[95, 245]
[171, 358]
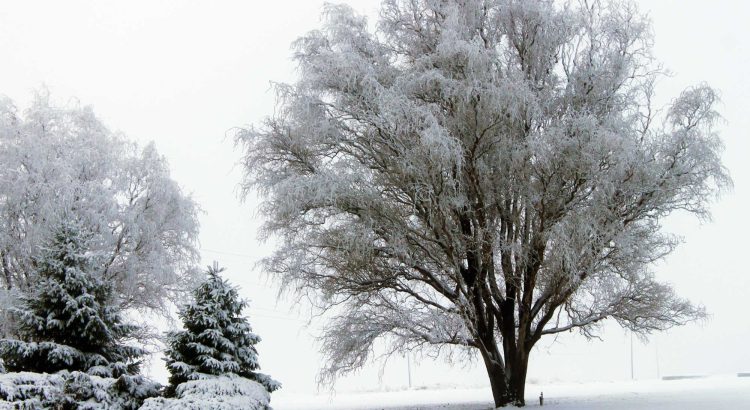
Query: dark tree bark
[507, 377]
[498, 381]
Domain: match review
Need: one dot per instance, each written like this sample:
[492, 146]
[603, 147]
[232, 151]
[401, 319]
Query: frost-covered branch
[497, 164]
[61, 161]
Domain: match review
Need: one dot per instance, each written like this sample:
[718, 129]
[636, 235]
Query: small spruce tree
[216, 340]
[69, 321]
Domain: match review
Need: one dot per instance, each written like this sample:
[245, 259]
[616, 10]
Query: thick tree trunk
[508, 382]
[517, 378]
[498, 381]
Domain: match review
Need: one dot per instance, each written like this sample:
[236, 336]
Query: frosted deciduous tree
[57, 161]
[217, 339]
[480, 173]
[69, 321]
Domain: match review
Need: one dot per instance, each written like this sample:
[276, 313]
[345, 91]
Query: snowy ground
[712, 393]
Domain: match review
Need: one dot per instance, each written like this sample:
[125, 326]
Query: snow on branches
[217, 340]
[77, 390]
[494, 163]
[69, 321]
[228, 392]
[58, 162]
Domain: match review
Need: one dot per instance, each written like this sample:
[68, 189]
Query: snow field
[711, 393]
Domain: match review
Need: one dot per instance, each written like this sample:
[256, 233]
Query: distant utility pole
[408, 367]
[658, 371]
[632, 375]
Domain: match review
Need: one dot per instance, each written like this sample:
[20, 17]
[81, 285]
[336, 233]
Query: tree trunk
[517, 378]
[508, 382]
[498, 381]
[6, 272]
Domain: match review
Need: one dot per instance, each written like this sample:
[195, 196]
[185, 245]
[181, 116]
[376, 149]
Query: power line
[242, 255]
[255, 307]
[292, 319]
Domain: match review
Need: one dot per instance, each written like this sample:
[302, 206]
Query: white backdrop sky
[183, 73]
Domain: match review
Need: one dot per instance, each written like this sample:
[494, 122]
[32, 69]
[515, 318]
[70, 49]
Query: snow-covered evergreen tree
[217, 339]
[69, 321]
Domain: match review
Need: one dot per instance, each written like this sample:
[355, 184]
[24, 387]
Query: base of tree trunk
[508, 388]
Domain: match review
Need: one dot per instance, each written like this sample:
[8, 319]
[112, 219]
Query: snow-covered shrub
[77, 390]
[214, 393]
[217, 339]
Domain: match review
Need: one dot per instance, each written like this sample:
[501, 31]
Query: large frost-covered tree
[480, 173]
[217, 339]
[69, 320]
[61, 160]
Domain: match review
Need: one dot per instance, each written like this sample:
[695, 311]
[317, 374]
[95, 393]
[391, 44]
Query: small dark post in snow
[541, 399]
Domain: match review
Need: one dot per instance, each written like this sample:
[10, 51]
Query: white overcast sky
[183, 73]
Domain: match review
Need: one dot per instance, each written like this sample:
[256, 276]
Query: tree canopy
[480, 173]
[61, 161]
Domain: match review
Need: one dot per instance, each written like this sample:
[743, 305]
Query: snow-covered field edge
[726, 392]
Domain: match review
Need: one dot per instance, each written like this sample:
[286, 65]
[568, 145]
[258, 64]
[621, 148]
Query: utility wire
[242, 255]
